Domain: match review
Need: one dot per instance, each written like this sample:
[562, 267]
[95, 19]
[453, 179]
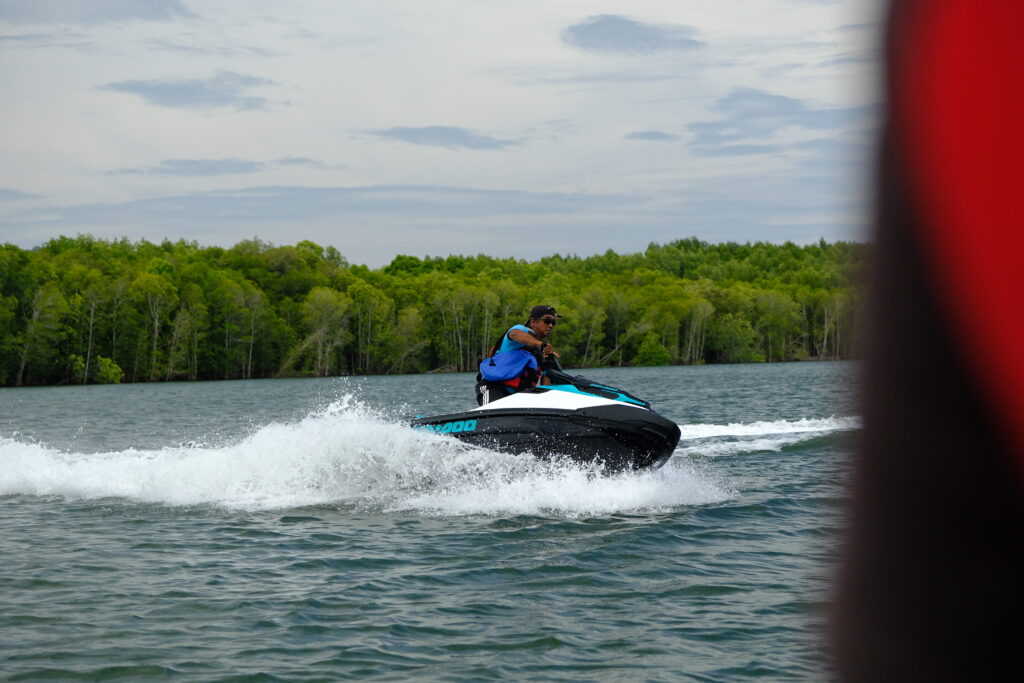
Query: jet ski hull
[618, 437]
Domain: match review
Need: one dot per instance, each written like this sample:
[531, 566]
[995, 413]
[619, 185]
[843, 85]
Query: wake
[712, 440]
[349, 456]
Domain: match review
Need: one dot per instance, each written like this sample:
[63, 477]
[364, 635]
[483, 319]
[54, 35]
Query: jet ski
[572, 417]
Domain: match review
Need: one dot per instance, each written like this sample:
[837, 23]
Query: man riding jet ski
[534, 407]
[512, 364]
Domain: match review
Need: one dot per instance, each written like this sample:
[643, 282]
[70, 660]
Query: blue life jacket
[507, 365]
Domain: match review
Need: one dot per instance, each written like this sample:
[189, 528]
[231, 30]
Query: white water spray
[348, 455]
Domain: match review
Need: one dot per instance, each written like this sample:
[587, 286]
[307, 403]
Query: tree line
[84, 310]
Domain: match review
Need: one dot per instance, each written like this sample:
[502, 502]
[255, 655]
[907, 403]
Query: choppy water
[293, 530]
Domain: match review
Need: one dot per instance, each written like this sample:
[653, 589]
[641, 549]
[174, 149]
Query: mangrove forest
[83, 310]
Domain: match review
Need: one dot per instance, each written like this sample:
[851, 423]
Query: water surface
[295, 530]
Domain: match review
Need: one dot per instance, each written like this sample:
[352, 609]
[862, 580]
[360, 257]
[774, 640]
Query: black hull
[617, 437]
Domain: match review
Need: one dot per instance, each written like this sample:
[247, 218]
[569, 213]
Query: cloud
[652, 135]
[584, 76]
[90, 11]
[618, 34]
[297, 161]
[416, 216]
[46, 40]
[449, 137]
[738, 150]
[869, 56]
[306, 162]
[199, 47]
[7, 195]
[226, 89]
[367, 222]
[196, 167]
[852, 28]
[269, 203]
[749, 117]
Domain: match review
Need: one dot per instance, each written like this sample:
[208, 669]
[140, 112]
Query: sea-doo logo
[451, 427]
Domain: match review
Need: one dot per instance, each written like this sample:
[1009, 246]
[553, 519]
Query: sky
[512, 128]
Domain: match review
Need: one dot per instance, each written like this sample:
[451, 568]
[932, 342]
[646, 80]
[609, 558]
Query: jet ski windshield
[561, 381]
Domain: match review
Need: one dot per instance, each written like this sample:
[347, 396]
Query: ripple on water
[337, 545]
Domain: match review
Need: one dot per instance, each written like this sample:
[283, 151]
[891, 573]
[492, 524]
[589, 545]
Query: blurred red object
[931, 581]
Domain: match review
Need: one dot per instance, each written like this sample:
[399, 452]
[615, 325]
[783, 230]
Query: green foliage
[107, 371]
[76, 367]
[80, 310]
[731, 339]
[652, 352]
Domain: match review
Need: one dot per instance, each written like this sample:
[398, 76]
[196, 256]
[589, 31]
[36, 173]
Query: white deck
[553, 399]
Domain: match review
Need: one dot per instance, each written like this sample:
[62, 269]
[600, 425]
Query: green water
[293, 530]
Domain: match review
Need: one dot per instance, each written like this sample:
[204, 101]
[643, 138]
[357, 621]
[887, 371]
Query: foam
[802, 426]
[348, 455]
[711, 440]
[574, 491]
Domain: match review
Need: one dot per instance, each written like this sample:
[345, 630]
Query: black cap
[541, 311]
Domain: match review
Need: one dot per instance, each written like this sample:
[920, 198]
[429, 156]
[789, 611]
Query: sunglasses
[549, 321]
